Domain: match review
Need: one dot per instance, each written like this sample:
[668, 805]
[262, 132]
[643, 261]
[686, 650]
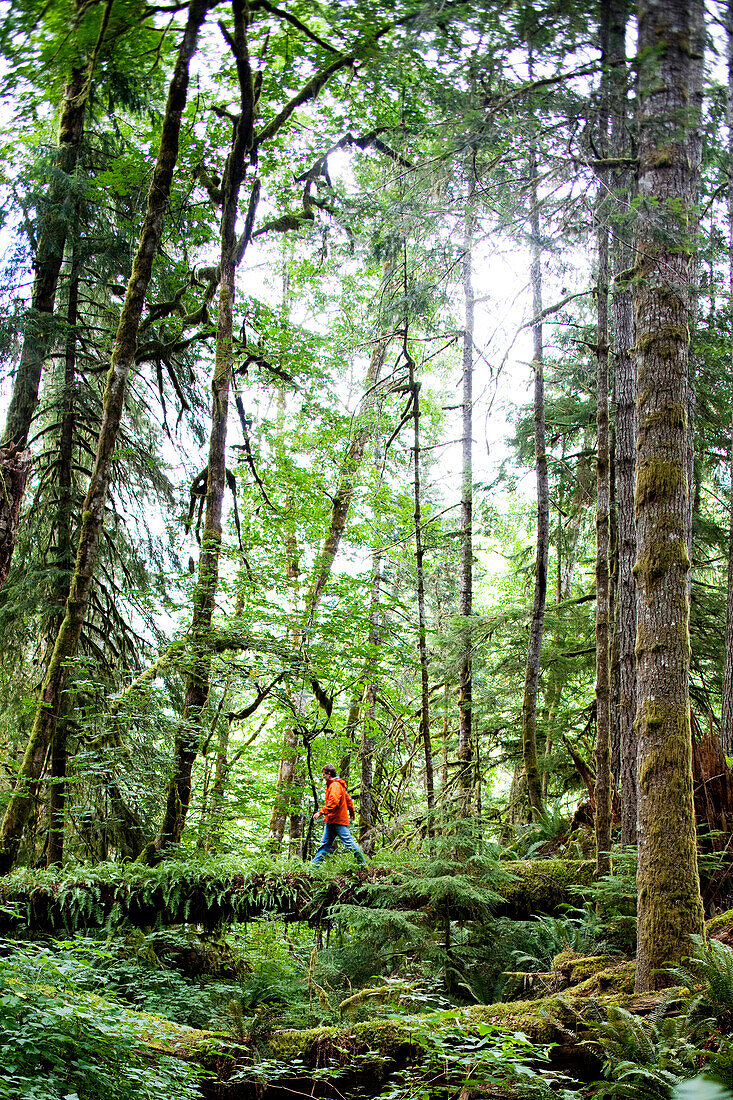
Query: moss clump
[659, 558]
[722, 923]
[292, 1043]
[535, 1019]
[542, 885]
[387, 1037]
[670, 416]
[665, 340]
[573, 968]
[658, 479]
[667, 156]
[609, 979]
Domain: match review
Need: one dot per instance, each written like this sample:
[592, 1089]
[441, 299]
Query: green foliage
[56, 1041]
[644, 1059]
[708, 975]
[494, 1058]
[581, 930]
[614, 895]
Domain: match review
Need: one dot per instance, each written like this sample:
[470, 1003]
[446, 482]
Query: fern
[708, 976]
[644, 1059]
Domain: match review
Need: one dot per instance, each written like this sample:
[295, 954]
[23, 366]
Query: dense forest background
[367, 377]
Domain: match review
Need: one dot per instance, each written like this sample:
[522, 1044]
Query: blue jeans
[330, 833]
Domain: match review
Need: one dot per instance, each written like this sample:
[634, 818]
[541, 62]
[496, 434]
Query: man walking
[336, 811]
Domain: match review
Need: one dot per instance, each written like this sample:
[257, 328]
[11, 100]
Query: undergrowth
[56, 1041]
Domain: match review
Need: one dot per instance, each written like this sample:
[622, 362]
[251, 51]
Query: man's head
[329, 773]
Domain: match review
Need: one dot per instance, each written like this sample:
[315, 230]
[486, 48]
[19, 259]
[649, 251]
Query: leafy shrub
[495, 1058]
[614, 896]
[58, 1042]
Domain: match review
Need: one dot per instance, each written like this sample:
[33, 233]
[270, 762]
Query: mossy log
[368, 1052]
[593, 974]
[170, 894]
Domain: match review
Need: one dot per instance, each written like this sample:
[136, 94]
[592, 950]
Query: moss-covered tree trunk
[603, 489]
[669, 904]
[123, 355]
[422, 630]
[534, 649]
[369, 710]
[64, 567]
[178, 788]
[622, 320]
[465, 586]
[726, 731]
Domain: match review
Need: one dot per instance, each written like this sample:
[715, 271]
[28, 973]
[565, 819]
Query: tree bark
[726, 725]
[123, 356]
[669, 903]
[625, 409]
[532, 672]
[465, 596]
[603, 504]
[178, 791]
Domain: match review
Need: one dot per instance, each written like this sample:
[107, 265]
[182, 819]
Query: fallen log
[112, 895]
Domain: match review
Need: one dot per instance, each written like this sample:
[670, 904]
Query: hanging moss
[664, 340]
[658, 479]
[660, 556]
[672, 416]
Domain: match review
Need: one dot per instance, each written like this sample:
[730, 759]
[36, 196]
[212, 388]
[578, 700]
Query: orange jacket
[338, 804]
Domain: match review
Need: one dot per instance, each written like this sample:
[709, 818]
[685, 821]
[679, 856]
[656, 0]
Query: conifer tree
[669, 903]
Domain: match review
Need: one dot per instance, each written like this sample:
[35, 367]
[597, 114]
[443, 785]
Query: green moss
[672, 416]
[669, 723]
[291, 1043]
[666, 637]
[576, 968]
[719, 923]
[386, 1036]
[608, 979]
[665, 157]
[659, 558]
[664, 341]
[658, 479]
[543, 885]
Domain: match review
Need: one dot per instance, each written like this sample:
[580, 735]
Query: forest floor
[420, 979]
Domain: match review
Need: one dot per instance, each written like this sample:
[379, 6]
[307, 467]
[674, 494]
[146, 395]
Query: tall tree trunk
[669, 903]
[421, 622]
[727, 701]
[603, 470]
[65, 566]
[57, 214]
[625, 409]
[123, 355]
[532, 673]
[178, 792]
[465, 597]
[286, 784]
